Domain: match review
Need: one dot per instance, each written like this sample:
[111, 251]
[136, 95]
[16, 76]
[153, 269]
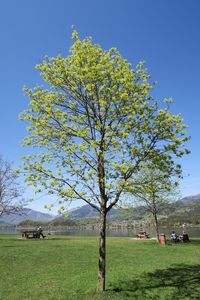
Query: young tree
[95, 125]
[155, 188]
[11, 200]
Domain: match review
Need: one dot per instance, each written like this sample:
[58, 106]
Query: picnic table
[32, 234]
[142, 235]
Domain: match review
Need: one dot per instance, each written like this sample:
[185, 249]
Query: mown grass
[63, 267]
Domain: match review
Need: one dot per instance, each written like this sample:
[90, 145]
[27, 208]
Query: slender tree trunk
[154, 211]
[102, 252]
[156, 225]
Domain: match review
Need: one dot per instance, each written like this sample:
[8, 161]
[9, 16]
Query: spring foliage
[96, 125]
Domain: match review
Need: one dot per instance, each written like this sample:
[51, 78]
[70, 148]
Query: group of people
[180, 238]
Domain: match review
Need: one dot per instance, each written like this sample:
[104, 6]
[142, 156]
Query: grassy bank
[66, 268]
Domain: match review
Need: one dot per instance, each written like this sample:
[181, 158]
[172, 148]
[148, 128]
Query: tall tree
[155, 189]
[11, 200]
[95, 125]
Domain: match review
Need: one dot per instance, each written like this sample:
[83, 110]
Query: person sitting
[174, 237]
[40, 232]
[184, 237]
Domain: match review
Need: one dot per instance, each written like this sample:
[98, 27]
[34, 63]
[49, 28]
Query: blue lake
[125, 232]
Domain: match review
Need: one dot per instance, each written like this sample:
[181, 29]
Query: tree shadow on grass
[177, 282]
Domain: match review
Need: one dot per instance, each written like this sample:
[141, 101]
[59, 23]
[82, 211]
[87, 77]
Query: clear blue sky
[163, 33]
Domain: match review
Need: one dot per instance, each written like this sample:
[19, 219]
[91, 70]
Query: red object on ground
[162, 239]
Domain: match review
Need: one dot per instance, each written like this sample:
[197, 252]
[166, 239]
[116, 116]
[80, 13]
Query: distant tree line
[52, 223]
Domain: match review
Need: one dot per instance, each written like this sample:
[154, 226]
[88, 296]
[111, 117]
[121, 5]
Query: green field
[63, 267]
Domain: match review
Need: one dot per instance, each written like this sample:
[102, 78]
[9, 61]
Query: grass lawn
[65, 268]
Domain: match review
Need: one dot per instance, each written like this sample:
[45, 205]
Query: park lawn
[62, 267]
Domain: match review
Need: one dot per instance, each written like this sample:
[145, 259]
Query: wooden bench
[142, 235]
[32, 234]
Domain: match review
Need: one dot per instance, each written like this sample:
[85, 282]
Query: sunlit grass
[63, 267]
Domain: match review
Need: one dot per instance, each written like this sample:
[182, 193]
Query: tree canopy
[97, 123]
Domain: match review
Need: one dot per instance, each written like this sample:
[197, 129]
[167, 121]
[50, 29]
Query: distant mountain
[27, 214]
[2, 222]
[186, 210]
[193, 199]
[87, 211]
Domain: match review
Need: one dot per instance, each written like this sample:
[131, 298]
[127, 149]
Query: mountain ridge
[187, 207]
[26, 214]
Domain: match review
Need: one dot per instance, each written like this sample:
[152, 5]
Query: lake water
[125, 232]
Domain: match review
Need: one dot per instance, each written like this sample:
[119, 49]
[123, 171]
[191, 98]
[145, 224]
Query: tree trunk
[156, 225]
[102, 252]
